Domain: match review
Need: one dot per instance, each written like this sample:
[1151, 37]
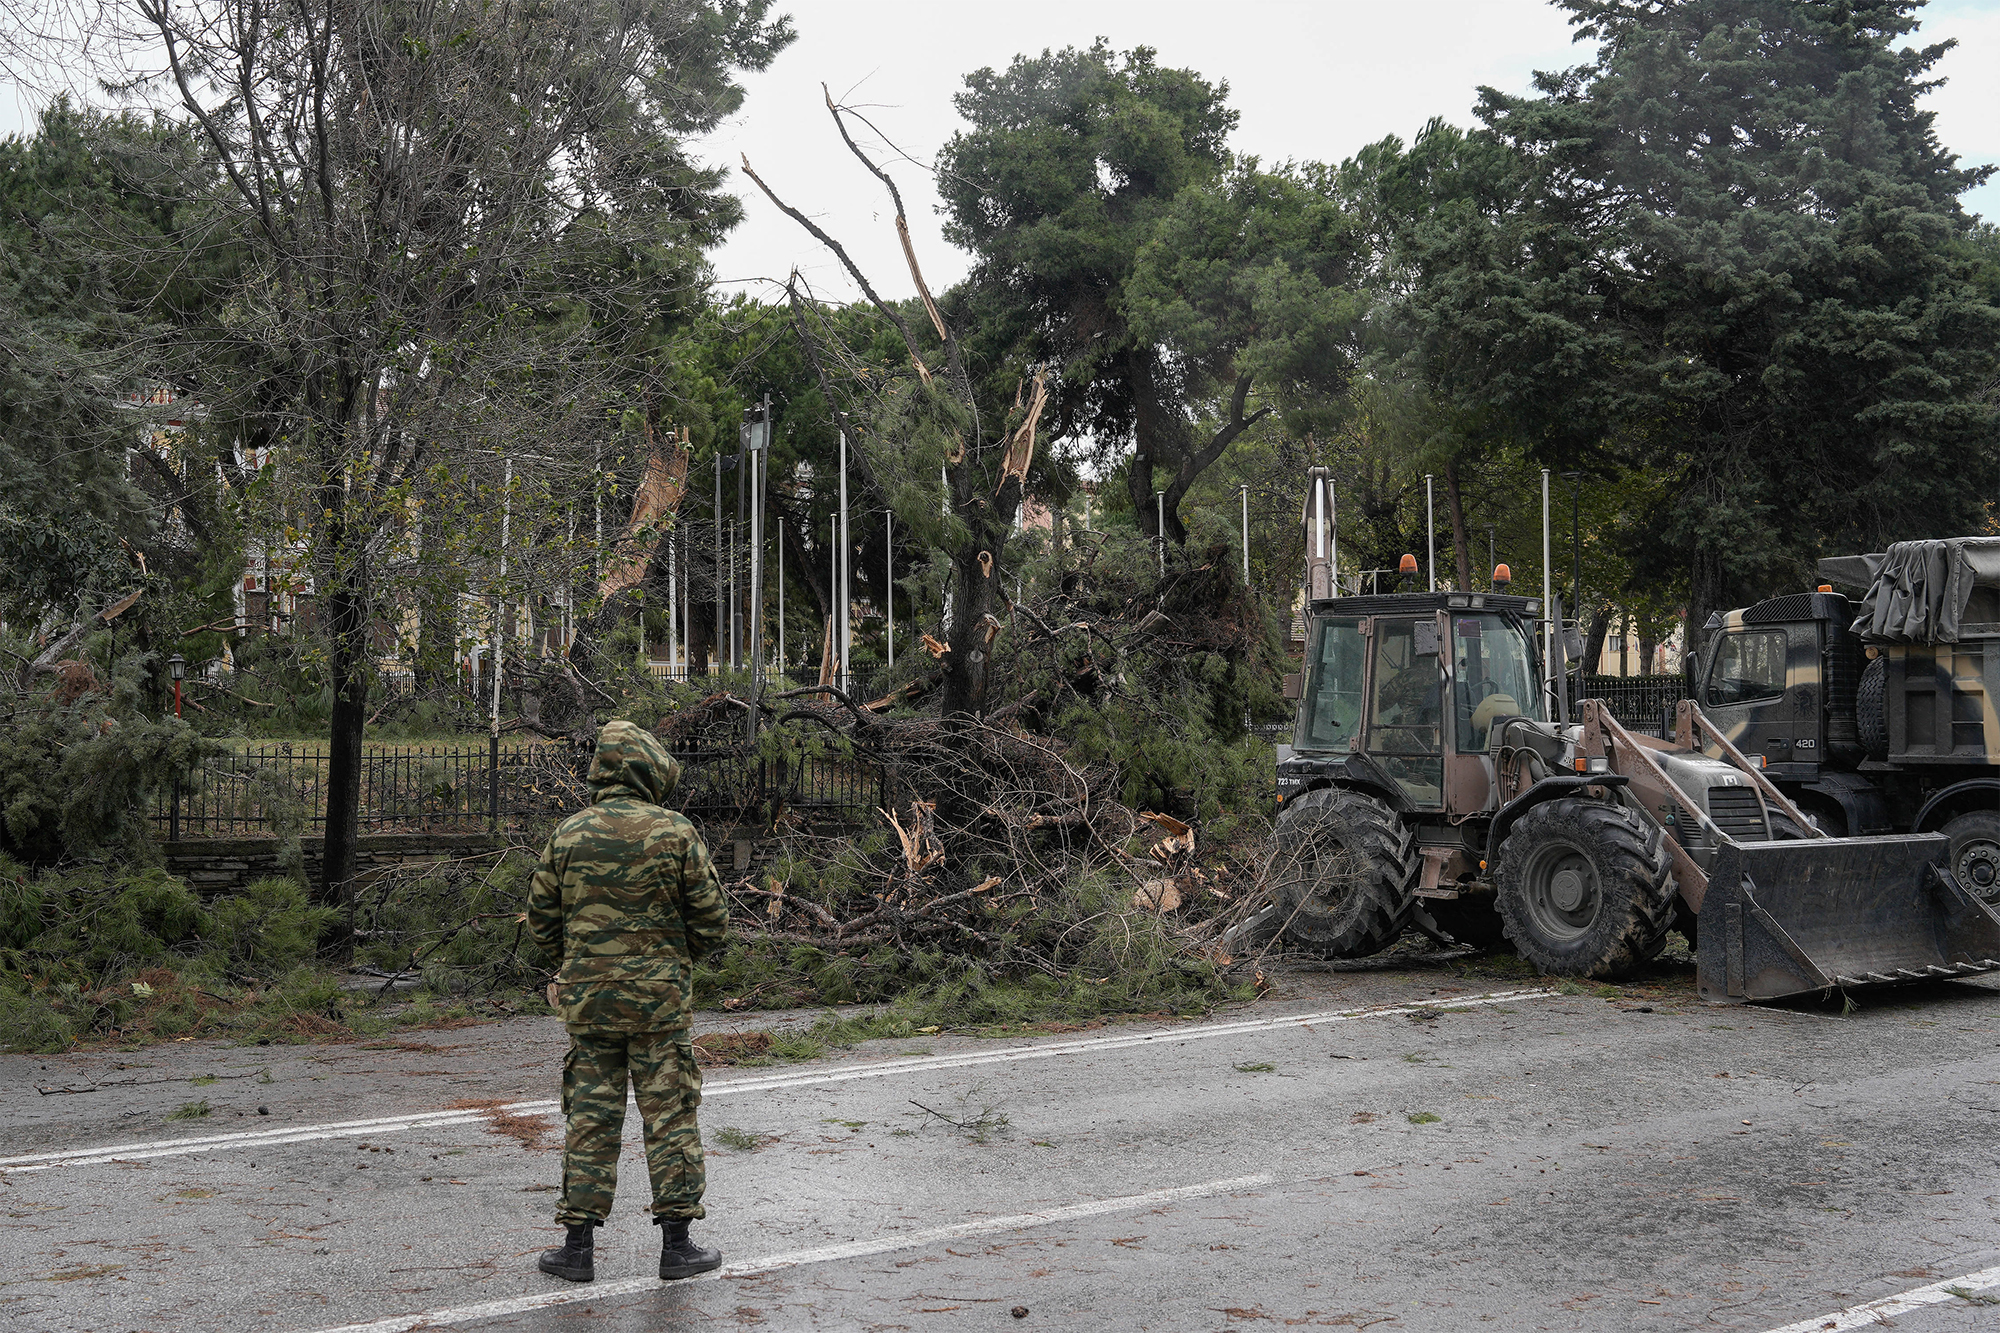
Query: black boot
[679, 1256]
[574, 1259]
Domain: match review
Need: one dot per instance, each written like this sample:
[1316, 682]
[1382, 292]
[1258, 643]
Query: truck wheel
[1871, 714]
[1975, 854]
[1345, 871]
[1585, 888]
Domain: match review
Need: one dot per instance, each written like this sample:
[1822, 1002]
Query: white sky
[1312, 81]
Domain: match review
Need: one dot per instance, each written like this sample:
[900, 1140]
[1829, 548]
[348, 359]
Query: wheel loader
[1427, 784]
[1876, 716]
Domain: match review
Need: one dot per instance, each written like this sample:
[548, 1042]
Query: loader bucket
[1815, 914]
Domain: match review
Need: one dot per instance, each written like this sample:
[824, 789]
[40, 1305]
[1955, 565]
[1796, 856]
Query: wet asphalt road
[1539, 1161]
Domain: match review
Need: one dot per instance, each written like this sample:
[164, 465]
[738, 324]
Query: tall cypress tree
[1731, 247]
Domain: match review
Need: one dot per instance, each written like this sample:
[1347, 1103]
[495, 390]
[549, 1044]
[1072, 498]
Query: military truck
[1876, 715]
[1427, 785]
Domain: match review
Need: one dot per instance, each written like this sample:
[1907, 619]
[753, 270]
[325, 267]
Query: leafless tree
[933, 418]
[424, 222]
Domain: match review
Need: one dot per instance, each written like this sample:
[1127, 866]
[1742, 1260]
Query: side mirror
[1295, 686]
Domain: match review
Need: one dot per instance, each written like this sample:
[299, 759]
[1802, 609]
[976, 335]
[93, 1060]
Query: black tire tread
[1375, 915]
[1634, 868]
[1871, 711]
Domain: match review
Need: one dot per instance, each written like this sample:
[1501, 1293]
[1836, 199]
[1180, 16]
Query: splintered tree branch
[854, 270]
[953, 361]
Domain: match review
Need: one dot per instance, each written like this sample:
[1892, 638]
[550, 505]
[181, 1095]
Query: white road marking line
[130, 1152]
[859, 1249]
[1118, 1041]
[1877, 1313]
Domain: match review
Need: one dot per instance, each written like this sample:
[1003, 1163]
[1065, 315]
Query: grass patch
[1423, 1118]
[1260, 1068]
[736, 1140]
[797, 1046]
[1569, 988]
[191, 1110]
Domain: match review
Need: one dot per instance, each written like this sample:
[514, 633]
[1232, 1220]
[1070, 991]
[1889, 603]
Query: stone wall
[221, 865]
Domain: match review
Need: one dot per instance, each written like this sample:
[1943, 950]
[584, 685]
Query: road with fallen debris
[1405, 1148]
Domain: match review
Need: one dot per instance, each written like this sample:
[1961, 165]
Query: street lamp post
[1575, 480]
[1245, 488]
[177, 668]
[1430, 533]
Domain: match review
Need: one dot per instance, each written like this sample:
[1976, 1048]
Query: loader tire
[1871, 712]
[1344, 868]
[1975, 854]
[1585, 888]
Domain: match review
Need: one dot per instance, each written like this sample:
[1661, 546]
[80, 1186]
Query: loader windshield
[1493, 676]
[1333, 685]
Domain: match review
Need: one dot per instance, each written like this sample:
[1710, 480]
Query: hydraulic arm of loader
[1803, 914]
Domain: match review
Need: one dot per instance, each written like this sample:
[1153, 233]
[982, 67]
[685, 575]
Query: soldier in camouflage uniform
[627, 898]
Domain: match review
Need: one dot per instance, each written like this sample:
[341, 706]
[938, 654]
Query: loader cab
[1780, 679]
[1412, 685]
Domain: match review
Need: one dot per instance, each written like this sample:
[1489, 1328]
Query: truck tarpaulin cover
[1917, 591]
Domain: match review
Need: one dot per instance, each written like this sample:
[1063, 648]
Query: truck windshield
[1493, 676]
[1747, 665]
[1333, 685]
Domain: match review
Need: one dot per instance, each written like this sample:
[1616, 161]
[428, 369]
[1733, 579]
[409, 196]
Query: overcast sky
[1312, 81]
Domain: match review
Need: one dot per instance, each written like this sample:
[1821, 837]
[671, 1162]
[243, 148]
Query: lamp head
[177, 667]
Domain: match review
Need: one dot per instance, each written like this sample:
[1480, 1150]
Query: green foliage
[454, 923]
[73, 347]
[80, 764]
[91, 953]
[268, 928]
[1161, 278]
[1730, 250]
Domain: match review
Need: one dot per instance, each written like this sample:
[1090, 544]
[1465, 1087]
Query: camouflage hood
[630, 761]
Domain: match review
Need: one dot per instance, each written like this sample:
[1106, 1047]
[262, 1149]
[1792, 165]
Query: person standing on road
[627, 898]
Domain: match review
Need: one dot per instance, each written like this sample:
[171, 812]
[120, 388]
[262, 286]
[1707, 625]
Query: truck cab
[1781, 680]
[1399, 697]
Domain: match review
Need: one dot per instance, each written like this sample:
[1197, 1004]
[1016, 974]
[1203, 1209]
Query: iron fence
[1640, 703]
[281, 788]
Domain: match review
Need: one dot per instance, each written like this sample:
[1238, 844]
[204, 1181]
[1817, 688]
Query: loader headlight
[1597, 763]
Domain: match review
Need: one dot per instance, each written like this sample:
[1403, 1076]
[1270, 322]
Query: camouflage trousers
[667, 1085]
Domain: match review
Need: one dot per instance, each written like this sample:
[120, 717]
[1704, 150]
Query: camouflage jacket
[625, 895]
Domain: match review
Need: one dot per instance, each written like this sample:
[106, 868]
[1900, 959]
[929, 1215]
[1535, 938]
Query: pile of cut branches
[1058, 834]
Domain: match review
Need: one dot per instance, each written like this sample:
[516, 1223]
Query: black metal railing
[1640, 703]
[269, 789]
[272, 789]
